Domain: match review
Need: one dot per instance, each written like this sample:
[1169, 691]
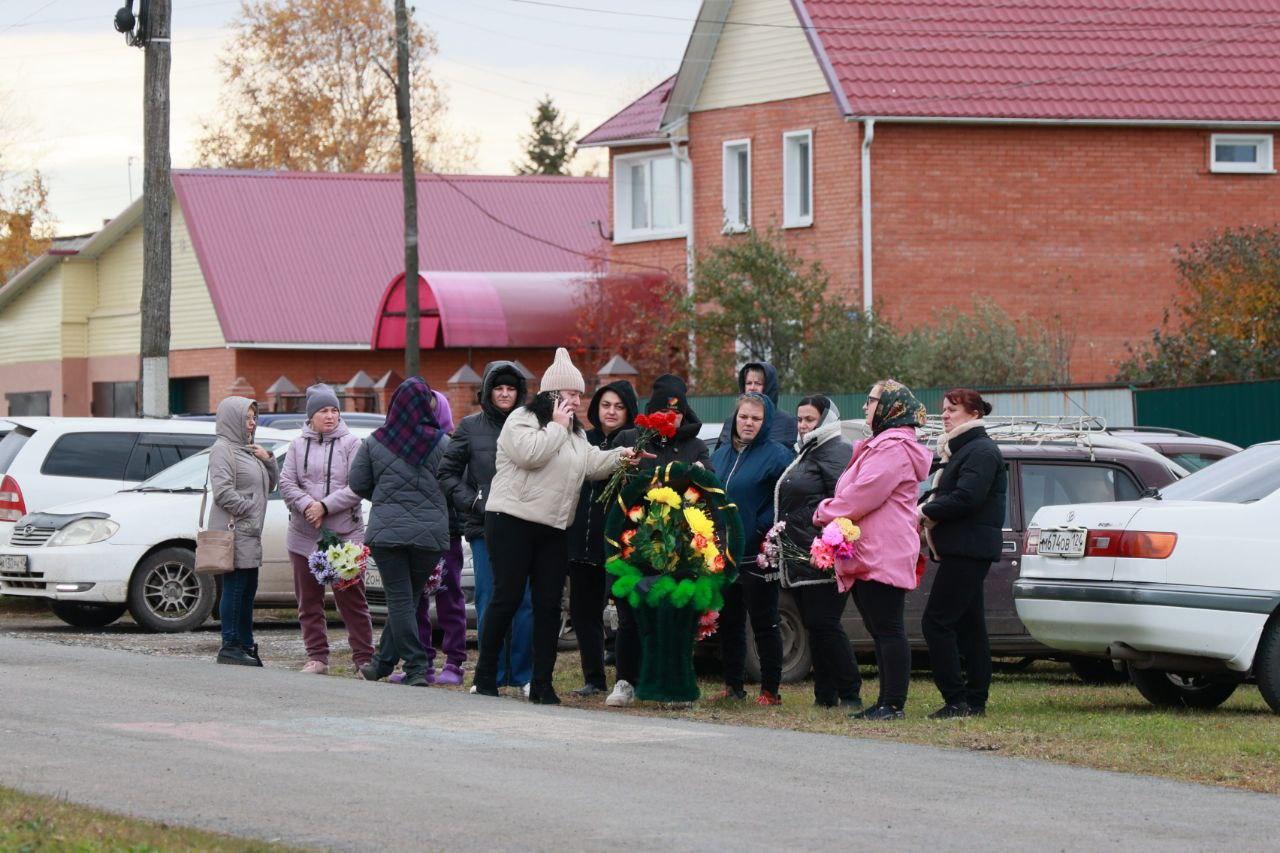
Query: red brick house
[1049, 155]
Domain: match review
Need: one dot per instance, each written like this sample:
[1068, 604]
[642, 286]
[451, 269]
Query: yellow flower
[709, 554]
[698, 522]
[850, 530]
[664, 495]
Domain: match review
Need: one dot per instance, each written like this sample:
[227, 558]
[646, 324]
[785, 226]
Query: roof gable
[637, 122]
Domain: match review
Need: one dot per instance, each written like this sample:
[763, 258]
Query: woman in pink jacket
[878, 492]
[314, 487]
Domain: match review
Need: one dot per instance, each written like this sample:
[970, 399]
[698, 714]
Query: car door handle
[1009, 548]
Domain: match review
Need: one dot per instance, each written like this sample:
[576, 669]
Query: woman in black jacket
[613, 410]
[963, 517]
[822, 456]
[465, 473]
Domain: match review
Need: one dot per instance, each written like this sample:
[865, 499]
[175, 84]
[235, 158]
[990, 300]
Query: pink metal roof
[639, 120]
[1171, 60]
[304, 258]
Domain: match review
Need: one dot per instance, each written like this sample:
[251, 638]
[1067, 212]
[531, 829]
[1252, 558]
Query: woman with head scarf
[878, 493]
[543, 460]
[408, 530]
[241, 475]
[822, 454]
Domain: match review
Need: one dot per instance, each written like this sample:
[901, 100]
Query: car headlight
[86, 531]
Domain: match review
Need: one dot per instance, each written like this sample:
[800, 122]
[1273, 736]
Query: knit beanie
[319, 397]
[562, 375]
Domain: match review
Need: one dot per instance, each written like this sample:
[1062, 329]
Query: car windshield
[1243, 478]
[187, 474]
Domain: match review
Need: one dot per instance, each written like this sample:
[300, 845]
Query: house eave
[1064, 122]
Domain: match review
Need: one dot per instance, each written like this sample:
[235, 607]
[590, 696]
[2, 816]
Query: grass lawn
[33, 823]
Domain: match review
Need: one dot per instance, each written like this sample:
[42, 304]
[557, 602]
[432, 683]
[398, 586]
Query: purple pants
[451, 611]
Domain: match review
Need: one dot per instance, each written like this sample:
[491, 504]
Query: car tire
[1266, 664]
[797, 655]
[166, 596]
[81, 615]
[1181, 690]
[1098, 670]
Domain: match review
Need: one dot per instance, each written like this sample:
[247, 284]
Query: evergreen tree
[550, 145]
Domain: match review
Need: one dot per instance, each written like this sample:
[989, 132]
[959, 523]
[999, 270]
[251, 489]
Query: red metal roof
[461, 309]
[304, 258]
[1172, 60]
[637, 121]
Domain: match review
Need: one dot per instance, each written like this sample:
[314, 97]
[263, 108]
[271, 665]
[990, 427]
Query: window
[797, 179]
[737, 185]
[1231, 152]
[651, 198]
[98, 455]
[1195, 460]
[1052, 485]
[115, 400]
[154, 453]
[1248, 476]
[189, 396]
[11, 444]
[32, 403]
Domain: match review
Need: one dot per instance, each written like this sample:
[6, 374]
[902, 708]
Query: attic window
[1240, 154]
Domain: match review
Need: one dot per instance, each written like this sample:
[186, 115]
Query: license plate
[13, 564]
[1062, 543]
[372, 578]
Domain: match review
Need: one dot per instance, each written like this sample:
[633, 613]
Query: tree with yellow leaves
[310, 87]
[26, 225]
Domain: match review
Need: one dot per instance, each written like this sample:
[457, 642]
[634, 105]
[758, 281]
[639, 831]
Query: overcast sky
[74, 89]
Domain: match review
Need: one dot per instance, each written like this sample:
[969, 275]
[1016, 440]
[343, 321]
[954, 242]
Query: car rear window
[11, 444]
[1052, 485]
[154, 453]
[95, 455]
[1195, 461]
[1247, 476]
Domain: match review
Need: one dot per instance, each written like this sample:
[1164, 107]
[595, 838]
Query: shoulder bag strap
[204, 496]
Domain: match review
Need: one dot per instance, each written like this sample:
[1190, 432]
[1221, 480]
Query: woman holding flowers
[877, 493]
[670, 397]
[749, 466]
[408, 529]
[543, 460]
[314, 487]
[822, 454]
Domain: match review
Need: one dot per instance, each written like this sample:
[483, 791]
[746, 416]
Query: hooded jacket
[809, 480]
[409, 506]
[586, 534]
[316, 468]
[784, 423]
[669, 392]
[878, 492]
[240, 482]
[749, 478]
[968, 503]
[470, 460]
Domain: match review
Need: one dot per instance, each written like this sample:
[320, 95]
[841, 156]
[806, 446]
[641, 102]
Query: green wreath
[671, 538]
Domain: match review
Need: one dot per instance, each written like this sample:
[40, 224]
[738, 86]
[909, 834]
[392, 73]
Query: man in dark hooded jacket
[611, 413]
[759, 377]
[465, 474]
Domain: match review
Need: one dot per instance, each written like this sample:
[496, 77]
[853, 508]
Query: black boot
[543, 694]
[234, 653]
[252, 651]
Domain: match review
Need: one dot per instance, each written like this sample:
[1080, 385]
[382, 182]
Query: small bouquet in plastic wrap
[337, 562]
[835, 542]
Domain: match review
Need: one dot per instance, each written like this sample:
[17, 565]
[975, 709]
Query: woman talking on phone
[543, 459]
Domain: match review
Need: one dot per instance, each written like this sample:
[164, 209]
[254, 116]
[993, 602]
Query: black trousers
[955, 627]
[586, 609]
[405, 572]
[523, 552]
[759, 598]
[881, 607]
[835, 671]
[627, 650]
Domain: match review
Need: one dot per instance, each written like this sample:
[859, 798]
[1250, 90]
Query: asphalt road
[339, 763]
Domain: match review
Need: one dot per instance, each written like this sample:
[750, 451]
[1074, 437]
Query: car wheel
[1266, 665]
[1098, 670]
[167, 596]
[797, 656]
[79, 615]
[1181, 690]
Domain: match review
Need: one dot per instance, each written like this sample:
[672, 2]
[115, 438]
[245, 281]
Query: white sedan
[1182, 587]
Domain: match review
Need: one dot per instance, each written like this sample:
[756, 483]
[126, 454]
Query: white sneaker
[623, 695]
[525, 690]
[473, 690]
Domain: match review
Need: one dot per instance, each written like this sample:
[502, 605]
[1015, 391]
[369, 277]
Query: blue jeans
[235, 611]
[515, 661]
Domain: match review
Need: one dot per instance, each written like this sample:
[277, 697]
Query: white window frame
[791, 216]
[622, 230]
[730, 198]
[1264, 142]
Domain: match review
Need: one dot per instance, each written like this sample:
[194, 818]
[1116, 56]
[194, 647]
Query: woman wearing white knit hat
[543, 459]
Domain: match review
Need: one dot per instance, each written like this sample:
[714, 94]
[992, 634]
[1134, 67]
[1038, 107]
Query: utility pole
[412, 349]
[152, 34]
